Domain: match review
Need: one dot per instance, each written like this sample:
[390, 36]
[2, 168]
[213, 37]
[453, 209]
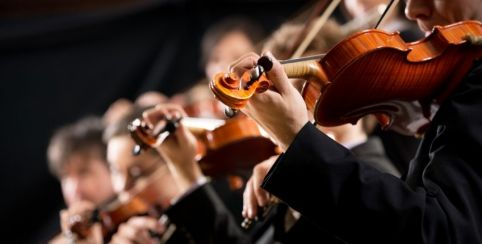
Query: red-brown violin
[139, 200]
[369, 73]
[228, 146]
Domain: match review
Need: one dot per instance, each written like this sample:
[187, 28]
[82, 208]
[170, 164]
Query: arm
[139, 230]
[199, 210]
[348, 198]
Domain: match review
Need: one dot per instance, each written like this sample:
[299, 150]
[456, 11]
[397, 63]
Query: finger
[143, 236]
[126, 231]
[278, 76]
[148, 223]
[250, 201]
[64, 219]
[244, 63]
[135, 231]
[262, 196]
[154, 115]
[185, 137]
[175, 110]
[118, 239]
[244, 213]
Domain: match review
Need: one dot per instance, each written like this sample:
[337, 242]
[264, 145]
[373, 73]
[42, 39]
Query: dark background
[61, 60]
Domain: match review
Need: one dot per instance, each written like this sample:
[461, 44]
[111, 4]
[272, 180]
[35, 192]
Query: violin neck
[308, 70]
[195, 124]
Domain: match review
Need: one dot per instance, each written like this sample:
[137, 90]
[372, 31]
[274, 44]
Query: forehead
[231, 44]
[84, 159]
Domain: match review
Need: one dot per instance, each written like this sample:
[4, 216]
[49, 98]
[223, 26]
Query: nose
[72, 191]
[418, 9]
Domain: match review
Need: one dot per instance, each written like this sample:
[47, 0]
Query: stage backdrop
[62, 60]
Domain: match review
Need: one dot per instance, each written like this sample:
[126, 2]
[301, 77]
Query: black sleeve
[325, 183]
[204, 216]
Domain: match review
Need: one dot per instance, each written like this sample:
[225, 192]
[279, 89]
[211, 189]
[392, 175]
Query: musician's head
[77, 156]
[226, 41]
[429, 13]
[282, 42]
[150, 98]
[128, 170]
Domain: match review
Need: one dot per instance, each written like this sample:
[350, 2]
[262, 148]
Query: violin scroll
[235, 91]
[145, 137]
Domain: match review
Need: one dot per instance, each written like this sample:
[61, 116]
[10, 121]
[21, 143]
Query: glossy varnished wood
[366, 72]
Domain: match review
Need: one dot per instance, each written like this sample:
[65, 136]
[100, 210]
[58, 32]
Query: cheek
[102, 182]
[454, 11]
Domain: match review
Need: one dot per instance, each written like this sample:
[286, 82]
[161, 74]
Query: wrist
[186, 177]
[289, 137]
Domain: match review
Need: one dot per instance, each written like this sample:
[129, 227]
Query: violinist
[129, 172]
[226, 40]
[77, 157]
[222, 43]
[289, 226]
[185, 194]
[439, 199]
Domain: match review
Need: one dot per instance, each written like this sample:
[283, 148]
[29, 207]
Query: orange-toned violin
[369, 73]
[139, 200]
[230, 145]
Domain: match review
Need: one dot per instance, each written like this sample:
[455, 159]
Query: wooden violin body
[236, 145]
[371, 72]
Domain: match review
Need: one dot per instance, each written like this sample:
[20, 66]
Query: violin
[140, 200]
[226, 147]
[370, 72]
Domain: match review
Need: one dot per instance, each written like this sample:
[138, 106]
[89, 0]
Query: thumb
[277, 74]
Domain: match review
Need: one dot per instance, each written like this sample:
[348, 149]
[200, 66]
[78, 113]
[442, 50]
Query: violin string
[307, 58]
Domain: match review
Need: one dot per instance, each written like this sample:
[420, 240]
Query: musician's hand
[179, 149]
[74, 214]
[254, 196]
[474, 40]
[281, 112]
[139, 230]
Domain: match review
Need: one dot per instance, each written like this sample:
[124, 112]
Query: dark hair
[217, 31]
[282, 41]
[82, 136]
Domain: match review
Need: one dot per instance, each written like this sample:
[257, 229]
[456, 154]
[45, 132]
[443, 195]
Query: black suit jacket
[205, 218]
[303, 230]
[372, 153]
[439, 202]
